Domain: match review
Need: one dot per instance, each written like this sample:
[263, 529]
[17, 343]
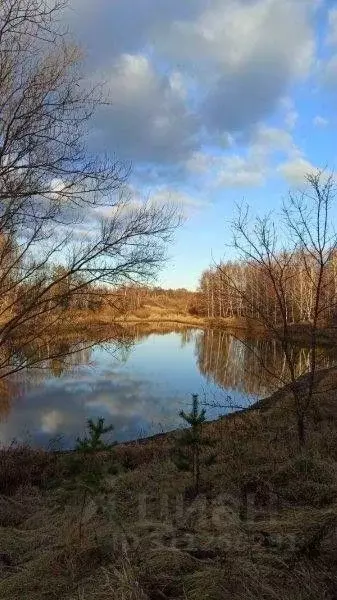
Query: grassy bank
[263, 527]
[80, 321]
[158, 319]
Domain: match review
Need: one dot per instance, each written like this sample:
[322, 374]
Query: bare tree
[59, 204]
[290, 281]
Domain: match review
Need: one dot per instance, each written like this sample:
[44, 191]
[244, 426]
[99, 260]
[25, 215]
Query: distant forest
[229, 290]
[238, 289]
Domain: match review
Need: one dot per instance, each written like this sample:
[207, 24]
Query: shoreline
[300, 333]
[259, 406]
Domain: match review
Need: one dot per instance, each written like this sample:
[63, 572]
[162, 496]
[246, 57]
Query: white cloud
[185, 202]
[232, 170]
[147, 119]
[250, 168]
[291, 119]
[244, 54]
[119, 209]
[237, 171]
[57, 186]
[328, 67]
[295, 171]
[329, 73]
[186, 72]
[133, 200]
[319, 121]
[332, 27]
[178, 84]
[231, 34]
[199, 163]
[268, 140]
[290, 113]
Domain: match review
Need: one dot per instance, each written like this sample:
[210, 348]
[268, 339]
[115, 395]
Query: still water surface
[139, 388]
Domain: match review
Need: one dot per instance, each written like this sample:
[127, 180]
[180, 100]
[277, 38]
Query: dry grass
[144, 540]
[156, 314]
[107, 323]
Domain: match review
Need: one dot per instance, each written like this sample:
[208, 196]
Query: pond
[140, 386]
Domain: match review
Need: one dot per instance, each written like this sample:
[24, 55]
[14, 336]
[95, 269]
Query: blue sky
[213, 101]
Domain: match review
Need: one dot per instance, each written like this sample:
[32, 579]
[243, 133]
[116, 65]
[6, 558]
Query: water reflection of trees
[186, 337]
[225, 360]
[237, 364]
[54, 358]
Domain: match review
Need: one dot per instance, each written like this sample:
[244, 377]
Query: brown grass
[155, 316]
[143, 539]
[106, 324]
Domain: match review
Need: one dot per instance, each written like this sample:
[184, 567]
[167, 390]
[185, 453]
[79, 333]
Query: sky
[212, 102]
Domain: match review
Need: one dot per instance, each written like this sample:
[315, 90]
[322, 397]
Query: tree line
[244, 289]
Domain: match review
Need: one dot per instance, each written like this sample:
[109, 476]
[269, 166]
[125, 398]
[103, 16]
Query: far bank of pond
[163, 320]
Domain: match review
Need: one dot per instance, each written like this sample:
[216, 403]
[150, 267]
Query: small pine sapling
[189, 451]
[88, 470]
[94, 442]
